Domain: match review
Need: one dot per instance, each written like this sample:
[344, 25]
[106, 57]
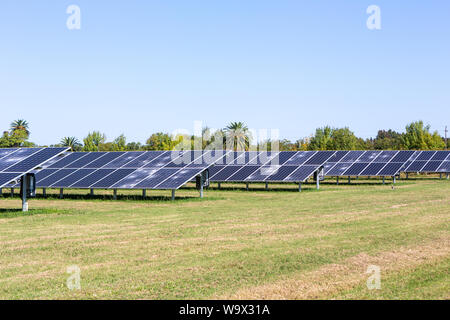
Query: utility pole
[446, 144]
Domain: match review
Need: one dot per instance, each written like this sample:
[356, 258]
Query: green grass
[232, 243]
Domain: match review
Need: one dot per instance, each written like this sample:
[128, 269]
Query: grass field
[276, 244]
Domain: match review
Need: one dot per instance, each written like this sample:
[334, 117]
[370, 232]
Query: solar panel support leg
[317, 183]
[447, 176]
[23, 186]
[246, 186]
[267, 186]
[1, 192]
[61, 193]
[349, 180]
[44, 192]
[12, 192]
[393, 179]
[407, 176]
[115, 194]
[173, 194]
[218, 185]
[144, 193]
[337, 180]
[92, 192]
[440, 176]
[384, 180]
[299, 187]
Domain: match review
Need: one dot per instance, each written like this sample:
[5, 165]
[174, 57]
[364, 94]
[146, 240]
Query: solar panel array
[429, 162]
[126, 170]
[14, 163]
[288, 166]
[367, 163]
[173, 169]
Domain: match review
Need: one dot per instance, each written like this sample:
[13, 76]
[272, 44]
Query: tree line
[237, 136]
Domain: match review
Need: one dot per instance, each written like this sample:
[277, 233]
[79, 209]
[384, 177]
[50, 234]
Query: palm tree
[237, 136]
[71, 142]
[20, 125]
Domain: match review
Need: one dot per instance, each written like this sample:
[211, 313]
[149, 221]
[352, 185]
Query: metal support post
[44, 192]
[23, 186]
[173, 194]
[61, 193]
[299, 187]
[115, 194]
[144, 193]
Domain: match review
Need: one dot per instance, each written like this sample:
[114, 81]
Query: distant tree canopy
[237, 136]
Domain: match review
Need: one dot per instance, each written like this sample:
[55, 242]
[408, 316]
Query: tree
[120, 143]
[321, 139]
[388, 140]
[21, 125]
[72, 143]
[93, 141]
[342, 139]
[159, 141]
[15, 139]
[237, 136]
[419, 137]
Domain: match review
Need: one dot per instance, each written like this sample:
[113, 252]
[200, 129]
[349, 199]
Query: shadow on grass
[15, 213]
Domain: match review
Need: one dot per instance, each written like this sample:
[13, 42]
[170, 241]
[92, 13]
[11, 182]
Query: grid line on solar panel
[250, 171]
[175, 184]
[301, 173]
[34, 160]
[445, 167]
[67, 160]
[17, 157]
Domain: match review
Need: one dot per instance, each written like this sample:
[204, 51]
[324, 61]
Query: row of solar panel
[16, 162]
[126, 170]
[172, 169]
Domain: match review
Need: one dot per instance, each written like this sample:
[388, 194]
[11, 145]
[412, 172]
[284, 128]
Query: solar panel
[106, 170]
[428, 162]
[15, 163]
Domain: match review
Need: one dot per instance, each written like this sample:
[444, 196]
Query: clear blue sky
[137, 67]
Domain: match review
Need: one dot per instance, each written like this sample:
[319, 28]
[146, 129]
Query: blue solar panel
[402, 156]
[15, 158]
[416, 166]
[368, 156]
[391, 169]
[426, 155]
[179, 178]
[337, 156]
[320, 158]
[68, 159]
[385, 156]
[262, 173]
[282, 173]
[102, 161]
[112, 178]
[440, 155]
[89, 180]
[302, 173]
[352, 156]
[156, 178]
[72, 178]
[431, 166]
[339, 169]
[35, 160]
[121, 161]
[225, 173]
[144, 158]
[55, 177]
[6, 178]
[300, 157]
[356, 169]
[86, 160]
[445, 167]
[372, 169]
[243, 173]
[134, 178]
